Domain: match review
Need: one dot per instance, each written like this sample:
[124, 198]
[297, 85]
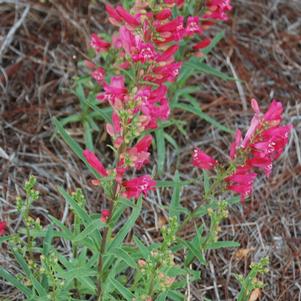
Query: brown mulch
[262, 48]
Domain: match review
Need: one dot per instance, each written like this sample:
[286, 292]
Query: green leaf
[82, 214]
[175, 295]
[206, 182]
[214, 42]
[77, 273]
[222, 244]
[3, 239]
[103, 113]
[94, 225]
[167, 184]
[65, 232]
[196, 110]
[162, 296]
[195, 251]
[125, 292]
[160, 141]
[87, 284]
[118, 239]
[79, 92]
[39, 288]
[68, 139]
[14, 281]
[174, 208]
[120, 253]
[203, 210]
[199, 66]
[145, 252]
[88, 136]
[47, 240]
[71, 119]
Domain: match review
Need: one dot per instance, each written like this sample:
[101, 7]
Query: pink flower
[137, 186]
[202, 44]
[274, 113]
[144, 52]
[115, 130]
[192, 26]
[139, 154]
[163, 14]
[254, 124]
[263, 163]
[99, 75]
[175, 2]
[175, 27]
[166, 73]
[154, 105]
[241, 181]
[135, 47]
[127, 17]
[168, 53]
[94, 162]
[202, 160]
[236, 144]
[98, 44]
[114, 17]
[217, 9]
[104, 215]
[113, 92]
[277, 139]
[3, 226]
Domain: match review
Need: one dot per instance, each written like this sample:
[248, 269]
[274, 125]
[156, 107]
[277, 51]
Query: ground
[39, 57]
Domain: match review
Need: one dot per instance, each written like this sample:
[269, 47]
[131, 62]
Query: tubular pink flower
[202, 160]
[99, 75]
[127, 17]
[98, 44]
[139, 154]
[254, 124]
[173, 26]
[104, 215]
[94, 162]
[193, 26]
[168, 53]
[202, 44]
[175, 2]
[263, 163]
[274, 113]
[163, 14]
[115, 91]
[114, 17]
[236, 144]
[217, 9]
[3, 226]
[241, 181]
[134, 188]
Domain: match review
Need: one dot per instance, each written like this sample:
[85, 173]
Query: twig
[238, 85]
[214, 281]
[12, 31]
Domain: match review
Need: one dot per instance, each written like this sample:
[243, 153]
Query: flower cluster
[263, 143]
[144, 48]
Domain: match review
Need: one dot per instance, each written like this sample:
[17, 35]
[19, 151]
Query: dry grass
[262, 48]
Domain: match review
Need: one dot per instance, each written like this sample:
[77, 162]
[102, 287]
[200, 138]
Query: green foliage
[58, 276]
[251, 282]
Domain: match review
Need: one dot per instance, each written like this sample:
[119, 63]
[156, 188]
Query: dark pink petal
[127, 17]
[3, 226]
[94, 162]
[202, 160]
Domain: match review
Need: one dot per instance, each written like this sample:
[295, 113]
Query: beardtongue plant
[99, 256]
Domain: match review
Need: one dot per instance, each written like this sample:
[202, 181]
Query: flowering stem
[106, 234]
[105, 237]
